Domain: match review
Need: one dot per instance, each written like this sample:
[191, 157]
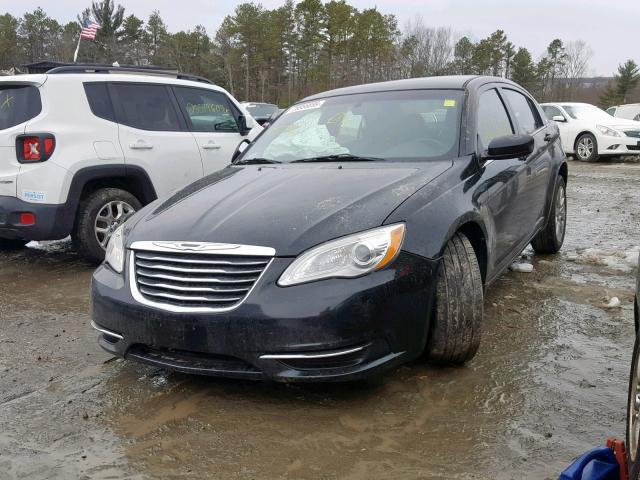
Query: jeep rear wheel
[100, 213]
[454, 335]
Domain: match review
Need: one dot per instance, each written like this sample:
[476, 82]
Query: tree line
[300, 48]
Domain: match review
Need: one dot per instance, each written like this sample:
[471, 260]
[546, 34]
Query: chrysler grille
[633, 133]
[195, 281]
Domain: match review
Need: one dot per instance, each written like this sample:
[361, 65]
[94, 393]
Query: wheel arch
[474, 229]
[579, 134]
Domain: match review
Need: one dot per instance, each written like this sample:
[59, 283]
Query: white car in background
[588, 132]
[630, 111]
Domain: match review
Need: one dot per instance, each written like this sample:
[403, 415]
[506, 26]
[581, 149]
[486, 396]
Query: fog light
[614, 147]
[27, 218]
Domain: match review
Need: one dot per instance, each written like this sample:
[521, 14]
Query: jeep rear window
[99, 100]
[18, 103]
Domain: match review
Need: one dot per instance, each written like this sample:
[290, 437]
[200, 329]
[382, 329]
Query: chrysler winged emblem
[196, 246]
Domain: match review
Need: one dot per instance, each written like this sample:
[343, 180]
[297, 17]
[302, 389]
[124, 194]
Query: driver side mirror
[242, 125]
[509, 146]
[559, 118]
[240, 149]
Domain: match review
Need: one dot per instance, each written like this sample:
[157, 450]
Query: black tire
[550, 239]
[633, 424]
[456, 322]
[84, 234]
[10, 244]
[588, 139]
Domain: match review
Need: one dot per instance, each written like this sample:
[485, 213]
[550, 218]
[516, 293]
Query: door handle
[140, 145]
[211, 145]
[548, 137]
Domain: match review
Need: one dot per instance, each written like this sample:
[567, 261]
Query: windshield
[587, 112]
[261, 110]
[401, 125]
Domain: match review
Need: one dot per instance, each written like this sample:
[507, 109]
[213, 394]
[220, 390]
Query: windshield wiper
[340, 157]
[255, 161]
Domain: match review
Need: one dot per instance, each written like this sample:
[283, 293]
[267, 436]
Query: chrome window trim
[135, 292]
[301, 356]
[204, 248]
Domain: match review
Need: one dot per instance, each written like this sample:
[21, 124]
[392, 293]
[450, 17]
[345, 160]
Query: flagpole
[75, 55]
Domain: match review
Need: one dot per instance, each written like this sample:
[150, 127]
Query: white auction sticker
[31, 196]
[305, 106]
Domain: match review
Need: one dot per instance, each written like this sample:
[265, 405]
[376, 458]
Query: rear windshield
[18, 103]
[261, 110]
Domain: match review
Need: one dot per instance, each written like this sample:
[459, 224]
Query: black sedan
[358, 232]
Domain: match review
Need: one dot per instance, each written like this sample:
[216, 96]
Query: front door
[212, 121]
[154, 136]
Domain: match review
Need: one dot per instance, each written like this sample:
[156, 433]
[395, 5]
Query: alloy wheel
[634, 410]
[561, 212]
[585, 148]
[109, 218]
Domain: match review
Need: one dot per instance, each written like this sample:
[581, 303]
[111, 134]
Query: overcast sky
[610, 28]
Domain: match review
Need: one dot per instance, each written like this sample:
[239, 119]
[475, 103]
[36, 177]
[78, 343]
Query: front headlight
[608, 131]
[115, 250]
[346, 257]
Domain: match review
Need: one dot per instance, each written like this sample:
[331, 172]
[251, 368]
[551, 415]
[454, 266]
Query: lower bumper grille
[194, 281]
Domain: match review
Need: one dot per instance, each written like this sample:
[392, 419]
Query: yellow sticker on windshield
[449, 103]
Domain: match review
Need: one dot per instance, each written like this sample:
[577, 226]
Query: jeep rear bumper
[52, 222]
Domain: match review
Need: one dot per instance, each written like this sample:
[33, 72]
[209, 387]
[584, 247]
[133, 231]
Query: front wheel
[454, 335]
[586, 148]
[100, 213]
[551, 237]
[633, 415]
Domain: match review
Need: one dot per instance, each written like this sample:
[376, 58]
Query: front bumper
[336, 329]
[53, 221]
[618, 145]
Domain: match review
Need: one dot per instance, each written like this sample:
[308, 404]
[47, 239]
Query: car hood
[287, 207]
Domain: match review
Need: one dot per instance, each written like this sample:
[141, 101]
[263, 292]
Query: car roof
[445, 82]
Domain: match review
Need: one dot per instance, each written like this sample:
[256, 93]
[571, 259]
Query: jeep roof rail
[88, 68]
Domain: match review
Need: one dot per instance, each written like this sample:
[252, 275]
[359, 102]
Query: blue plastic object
[597, 464]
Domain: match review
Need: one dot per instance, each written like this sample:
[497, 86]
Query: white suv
[82, 149]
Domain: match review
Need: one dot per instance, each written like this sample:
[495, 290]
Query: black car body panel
[384, 315]
[296, 206]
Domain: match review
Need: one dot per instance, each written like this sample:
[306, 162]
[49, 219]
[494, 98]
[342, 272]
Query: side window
[493, 120]
[18, 103]
[208, 111]
[524, 111]
[551, 111]
[145, 106]
[611, 111]
[99, 100]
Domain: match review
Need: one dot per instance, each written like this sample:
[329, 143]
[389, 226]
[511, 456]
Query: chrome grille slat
[172, 268]
[166, 258]
[191, 298]
[178, 278]
[187, 288]
[192, 281]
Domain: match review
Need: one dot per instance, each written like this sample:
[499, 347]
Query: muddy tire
[586, 148]
[454, 335]
[99, 214]
[550, 239]
[10, 244]
[633, 416]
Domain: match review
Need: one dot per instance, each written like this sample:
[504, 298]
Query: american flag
[89, 30]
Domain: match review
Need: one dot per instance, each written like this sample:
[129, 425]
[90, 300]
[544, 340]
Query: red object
[49, 145]
[27, 218]
[31, 149]
[619, 451]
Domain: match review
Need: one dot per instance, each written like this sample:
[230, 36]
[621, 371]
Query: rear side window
[99, 100]
[18, 103]
[208, 111]
[493, 120]
[551, 111]
[523, 110]
[145, 106]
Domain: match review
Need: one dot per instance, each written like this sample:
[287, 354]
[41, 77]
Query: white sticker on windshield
[305, 106]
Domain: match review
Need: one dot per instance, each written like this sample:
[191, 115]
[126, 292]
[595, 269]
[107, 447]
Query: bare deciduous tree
[577, 57]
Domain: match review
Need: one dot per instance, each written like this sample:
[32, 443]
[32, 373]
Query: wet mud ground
[549, 381]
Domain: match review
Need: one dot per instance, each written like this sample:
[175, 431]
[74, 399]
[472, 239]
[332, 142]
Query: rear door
[18, 104]
[154, 136]
[212, 118]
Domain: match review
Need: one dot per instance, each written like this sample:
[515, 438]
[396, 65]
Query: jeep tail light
[35, 148]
